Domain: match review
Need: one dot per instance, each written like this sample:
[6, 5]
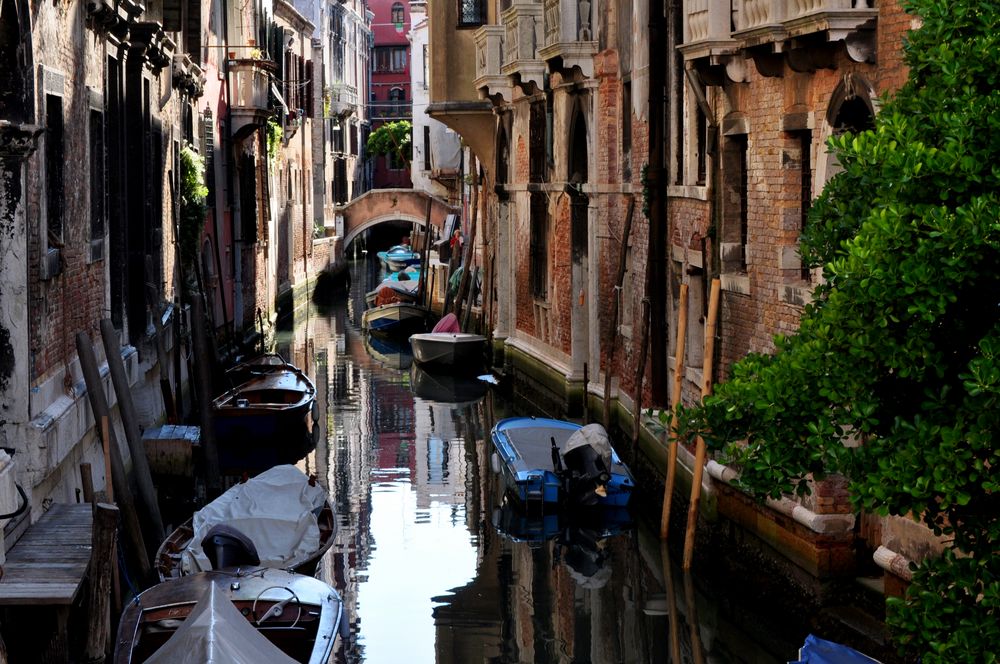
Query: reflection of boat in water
[554, 462]
[267, 419]
[446, 387]
[580, 536]
[390, 353]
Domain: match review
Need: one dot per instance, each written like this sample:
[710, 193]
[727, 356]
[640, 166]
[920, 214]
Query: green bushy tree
[893, 378]
[393, 139]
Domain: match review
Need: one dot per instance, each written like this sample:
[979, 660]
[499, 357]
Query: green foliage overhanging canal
[893, 379]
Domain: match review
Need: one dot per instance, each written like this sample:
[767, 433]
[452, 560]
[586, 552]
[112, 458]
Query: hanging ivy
[193, 204]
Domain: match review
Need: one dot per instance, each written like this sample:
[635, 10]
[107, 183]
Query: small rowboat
[397, 318]
[289, 511]
[398, 257]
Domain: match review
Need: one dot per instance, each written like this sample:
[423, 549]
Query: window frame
[471, 13]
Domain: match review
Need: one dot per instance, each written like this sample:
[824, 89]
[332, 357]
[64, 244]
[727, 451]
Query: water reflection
[435, 567]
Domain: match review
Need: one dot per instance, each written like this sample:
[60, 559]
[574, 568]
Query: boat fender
[344, 625]
[315, 411]
[495, 463]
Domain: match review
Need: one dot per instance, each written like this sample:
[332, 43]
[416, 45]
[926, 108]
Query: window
[805, 188]
[627, 130]
[427, 147]
[734, 204]
[539, 245]
[425, 67]
[398, 15]
[98, 185]
[471, 13]
[54, 162]
[536, 142]
[390, 59]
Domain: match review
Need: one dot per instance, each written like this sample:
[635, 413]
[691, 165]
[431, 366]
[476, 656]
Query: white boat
[446, 346]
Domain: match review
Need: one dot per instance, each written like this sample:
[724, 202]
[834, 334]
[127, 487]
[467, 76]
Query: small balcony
[523, 37]
[490, 81]
[706, 29]
[251, 81]
[342, 100]
[761, 22]
[569, 34]
[392, 110]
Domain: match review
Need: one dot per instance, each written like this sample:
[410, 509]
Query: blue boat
[551, 463]
[398, 257]
[396, 318]
[820, 651]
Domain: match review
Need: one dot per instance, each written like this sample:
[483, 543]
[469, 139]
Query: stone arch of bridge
[384, 205]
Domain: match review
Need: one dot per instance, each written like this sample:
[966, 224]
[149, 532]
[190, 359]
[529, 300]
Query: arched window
[398, 15]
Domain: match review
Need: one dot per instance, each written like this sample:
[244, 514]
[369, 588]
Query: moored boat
[249, 615]
[553, 463]
[447, 347]
[398, 257]
[395, 318]
[286, 515]
[266, 420]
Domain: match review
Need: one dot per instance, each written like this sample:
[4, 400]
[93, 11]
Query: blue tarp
[818, 651]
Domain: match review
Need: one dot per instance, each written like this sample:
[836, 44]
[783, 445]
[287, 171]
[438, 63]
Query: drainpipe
[233, 204]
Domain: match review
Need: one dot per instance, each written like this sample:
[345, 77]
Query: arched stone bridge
[381, 205]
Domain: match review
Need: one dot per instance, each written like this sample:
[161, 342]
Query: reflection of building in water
[441, 470]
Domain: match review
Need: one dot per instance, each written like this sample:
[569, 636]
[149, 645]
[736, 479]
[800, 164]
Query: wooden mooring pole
[699, 456]
[675, 399]
[99, 583]
[203, 360]
[99, 406]
[133, 435]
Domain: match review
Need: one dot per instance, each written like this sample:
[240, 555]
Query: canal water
[432, 564]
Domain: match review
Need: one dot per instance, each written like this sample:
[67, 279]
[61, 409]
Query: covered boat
[398, 257]
[234, 616]
[266, 420]
[399, 318]
[447, 347]
[553, 462]
[405, 283]
[820, 651]
[284, 514]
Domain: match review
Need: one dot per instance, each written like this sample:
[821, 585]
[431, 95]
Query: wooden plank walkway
[47, 565]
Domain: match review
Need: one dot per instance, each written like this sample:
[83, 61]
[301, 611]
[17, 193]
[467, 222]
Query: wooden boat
[447, 347]
[400, 291]
[400, 318]
[398, 257]
[283, 500]
[266, 420]
[551, 463]
[250, 615]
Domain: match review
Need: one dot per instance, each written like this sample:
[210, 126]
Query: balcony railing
[523, 36]
[251, 81]
[392, 110]
[489, 60]
[341, 98]
[569, 35]
[721, 27]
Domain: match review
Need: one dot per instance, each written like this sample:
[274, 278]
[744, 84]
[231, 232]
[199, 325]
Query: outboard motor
[586, 457]
[227, 547]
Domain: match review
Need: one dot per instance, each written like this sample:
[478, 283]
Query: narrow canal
[435, 568]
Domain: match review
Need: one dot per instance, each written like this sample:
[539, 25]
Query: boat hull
[523, 458]
[266, 421]
[396, 318]
[449, 350]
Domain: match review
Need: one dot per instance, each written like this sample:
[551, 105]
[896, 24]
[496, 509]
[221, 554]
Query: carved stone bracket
[18, 141]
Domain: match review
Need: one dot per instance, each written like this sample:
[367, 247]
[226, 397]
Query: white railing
[567, 21]
[750, 14]
[522, 31]
[251, 79]
[489, 50]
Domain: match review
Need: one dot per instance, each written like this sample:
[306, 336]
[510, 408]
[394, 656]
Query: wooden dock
[46, 567]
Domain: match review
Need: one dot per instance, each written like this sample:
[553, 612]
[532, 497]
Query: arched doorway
[853, 106]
